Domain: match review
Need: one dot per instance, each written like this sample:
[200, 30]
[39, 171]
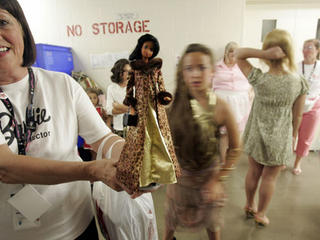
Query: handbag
[130, 120]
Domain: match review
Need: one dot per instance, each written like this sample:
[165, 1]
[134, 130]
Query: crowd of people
[191, 145]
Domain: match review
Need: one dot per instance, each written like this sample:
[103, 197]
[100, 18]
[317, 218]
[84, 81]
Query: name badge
[29, 205]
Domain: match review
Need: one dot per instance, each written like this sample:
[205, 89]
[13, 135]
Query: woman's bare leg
[252, 179]
[268, 182]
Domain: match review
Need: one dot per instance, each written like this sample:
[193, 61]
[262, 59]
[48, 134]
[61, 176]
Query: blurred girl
[195, 117]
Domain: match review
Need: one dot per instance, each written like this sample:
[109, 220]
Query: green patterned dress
[268, 133]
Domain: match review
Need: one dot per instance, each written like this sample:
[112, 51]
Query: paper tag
[30, 203]
[21, 223]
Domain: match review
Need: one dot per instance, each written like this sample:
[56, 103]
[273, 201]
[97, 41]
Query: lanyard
[23, 137]
[312, 71]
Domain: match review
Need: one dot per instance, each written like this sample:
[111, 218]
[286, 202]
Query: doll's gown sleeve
[148, 155]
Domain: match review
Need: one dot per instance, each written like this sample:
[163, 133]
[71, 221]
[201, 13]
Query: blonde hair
[316, 43]
[281, 38]
[230, 45]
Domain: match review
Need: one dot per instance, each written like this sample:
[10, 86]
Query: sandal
[250, 212]
[296, 171]
[261, 221]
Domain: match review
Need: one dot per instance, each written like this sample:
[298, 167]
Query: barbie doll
[148, 158]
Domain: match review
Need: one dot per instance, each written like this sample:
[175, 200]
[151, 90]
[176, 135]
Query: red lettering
[74, 30]
[70, 31]
[135, 26]
[95, 28]
[111, 27]
[104, 27]
[128, 27]
[120, 26]
[78, 30]
[144, 26]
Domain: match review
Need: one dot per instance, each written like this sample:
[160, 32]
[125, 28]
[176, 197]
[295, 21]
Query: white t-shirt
[115, 93]
[62, 112]
[313, 80]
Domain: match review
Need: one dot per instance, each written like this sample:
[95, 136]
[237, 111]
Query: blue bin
[54, 58]
[80, 142]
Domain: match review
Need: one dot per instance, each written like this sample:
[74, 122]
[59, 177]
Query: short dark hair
[136, 54]
[117, 70]
[14, 8]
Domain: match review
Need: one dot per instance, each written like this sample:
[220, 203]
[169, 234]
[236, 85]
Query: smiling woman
[41, 115]
[12, 57]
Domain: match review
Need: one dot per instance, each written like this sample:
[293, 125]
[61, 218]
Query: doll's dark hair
[117, 70]
[136, 54]
[186, 133]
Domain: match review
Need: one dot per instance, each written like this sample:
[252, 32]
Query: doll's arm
[129, 99]
[164, 97]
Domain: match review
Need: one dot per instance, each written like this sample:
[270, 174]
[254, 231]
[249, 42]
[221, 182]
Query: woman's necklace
[312, 71]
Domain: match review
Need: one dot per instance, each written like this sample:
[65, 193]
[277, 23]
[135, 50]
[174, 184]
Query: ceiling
[256, 2]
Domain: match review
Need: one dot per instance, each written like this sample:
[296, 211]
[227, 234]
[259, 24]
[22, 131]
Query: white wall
[299, 19]
[175, 24]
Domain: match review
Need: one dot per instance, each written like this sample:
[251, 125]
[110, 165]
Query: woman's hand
[274, 53]
[105, 170]
[293, 142]
[213, 191]
[167, 99]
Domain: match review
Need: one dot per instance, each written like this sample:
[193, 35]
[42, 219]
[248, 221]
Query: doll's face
[94, 98]
[197, 71]
[147, 50]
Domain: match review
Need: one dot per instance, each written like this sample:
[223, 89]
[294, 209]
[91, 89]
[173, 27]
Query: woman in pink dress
[230, 84]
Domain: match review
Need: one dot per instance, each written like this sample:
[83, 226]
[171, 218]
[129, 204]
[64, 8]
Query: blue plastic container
[55, 58]
[80, 141]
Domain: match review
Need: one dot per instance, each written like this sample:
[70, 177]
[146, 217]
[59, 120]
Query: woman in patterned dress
[274, 118]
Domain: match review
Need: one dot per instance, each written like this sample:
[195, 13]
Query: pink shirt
[229, 78]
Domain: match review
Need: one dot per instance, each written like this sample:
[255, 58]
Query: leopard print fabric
[145, 83]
